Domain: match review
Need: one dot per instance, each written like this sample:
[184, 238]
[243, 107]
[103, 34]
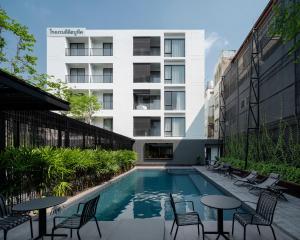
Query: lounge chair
[250, 178]
[272, 180]
[213, 165]
[10, 220]
[77, 220]
[263, 215]
[185, 219]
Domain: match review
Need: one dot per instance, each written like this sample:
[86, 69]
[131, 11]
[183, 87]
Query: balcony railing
[89, 52]
[101, 52]
[77, 51]
[101, 78]
[77, 78]
[146, 132]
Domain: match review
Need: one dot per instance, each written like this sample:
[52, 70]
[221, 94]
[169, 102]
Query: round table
[220, 203]
[41, 204]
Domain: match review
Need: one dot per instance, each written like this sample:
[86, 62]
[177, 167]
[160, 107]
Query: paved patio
[287, 218]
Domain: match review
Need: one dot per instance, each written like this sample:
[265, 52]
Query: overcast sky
[226, 22]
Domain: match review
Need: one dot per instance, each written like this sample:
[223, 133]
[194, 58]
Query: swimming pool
[144, 193]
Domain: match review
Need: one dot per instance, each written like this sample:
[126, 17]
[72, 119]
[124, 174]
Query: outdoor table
[220, 203]
[41, 204]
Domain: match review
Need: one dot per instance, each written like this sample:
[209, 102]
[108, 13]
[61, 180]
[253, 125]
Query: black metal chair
[78, 220]
[10, 219]
[263, 215]
[185, 219]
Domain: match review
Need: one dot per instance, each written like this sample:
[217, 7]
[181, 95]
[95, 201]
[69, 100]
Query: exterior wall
[223, 62]
[186, 152]
[279, 96]
[209, 111]
[122, 86]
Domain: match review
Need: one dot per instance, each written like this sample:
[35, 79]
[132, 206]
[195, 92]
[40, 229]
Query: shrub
[62, 171]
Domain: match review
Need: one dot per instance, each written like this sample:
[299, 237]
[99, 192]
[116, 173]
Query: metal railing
[108, 78]
[77, 78]
[77, 51]
[101, 52]
[89, 52]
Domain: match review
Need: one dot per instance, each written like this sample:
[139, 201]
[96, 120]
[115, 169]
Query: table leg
[220, 231]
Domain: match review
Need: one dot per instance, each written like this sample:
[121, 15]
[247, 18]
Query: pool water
[145, 194]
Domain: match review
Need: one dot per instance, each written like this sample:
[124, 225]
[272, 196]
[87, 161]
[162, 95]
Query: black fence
[45, 128]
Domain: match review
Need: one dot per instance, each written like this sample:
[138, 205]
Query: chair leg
[202, 231]
[176, 232]
[31, 229]
[78, 235]
[5, 235]
[198, 229]
[98, 228]
[232, 230]
[273, 232]
[52, 235]
[258, 229]
[172, 226]
[245, 232]
[71, 232]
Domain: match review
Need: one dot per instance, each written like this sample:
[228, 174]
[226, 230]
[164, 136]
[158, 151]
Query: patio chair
[263, 215]
[10, 219]
[185, 219]
[212, 164]
[250, 178]
[78, 220]
[272, 180]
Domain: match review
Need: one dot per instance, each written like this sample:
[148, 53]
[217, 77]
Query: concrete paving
[287, 213]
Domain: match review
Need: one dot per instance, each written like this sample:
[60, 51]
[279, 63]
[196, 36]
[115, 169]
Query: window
[146, 99]
[174, 47]
[174, 74]
[158, 151]
[107, 49]
[107, 101]
[108, 124]
[146, 72]
[77, 75]
[174, 127]
[77, 49]
[146, 126]
[146, 46]
[107, 75]
[174, 100]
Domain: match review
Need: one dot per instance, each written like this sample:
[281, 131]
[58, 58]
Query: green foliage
[23, 61]
[269, 153]
[83, 106]
[286, 23]
[64, 170]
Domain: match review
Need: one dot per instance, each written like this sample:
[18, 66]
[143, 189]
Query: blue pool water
[144, 194]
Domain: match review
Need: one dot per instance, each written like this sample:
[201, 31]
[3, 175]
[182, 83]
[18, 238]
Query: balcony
[146, 72]
[77, 52]
[77, 78]
[146, 99]
[101, 78]
[101, 52]
[146, 126]
[146, 46]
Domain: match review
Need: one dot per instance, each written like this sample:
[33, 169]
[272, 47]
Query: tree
[83, 106]
[286, 23]
[22, 62]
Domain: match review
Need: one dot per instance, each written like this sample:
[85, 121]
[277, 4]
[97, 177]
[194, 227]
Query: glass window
[107, 75]
[77, 75]
[108, 124]
[174, 47]
[174, 126]
[174, 74]
[107, 101]
[146, 126]
[107, 49]
[158, 151]
[77, 49]
[174, 100]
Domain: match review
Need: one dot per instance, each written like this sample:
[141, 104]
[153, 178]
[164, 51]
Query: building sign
[66, 32]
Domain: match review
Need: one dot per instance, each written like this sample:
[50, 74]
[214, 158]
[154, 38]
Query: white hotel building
[150, 84]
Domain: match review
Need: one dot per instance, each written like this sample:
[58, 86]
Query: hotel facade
[150, 84]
